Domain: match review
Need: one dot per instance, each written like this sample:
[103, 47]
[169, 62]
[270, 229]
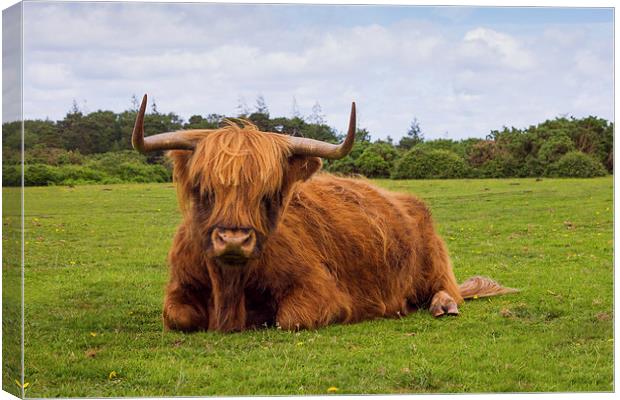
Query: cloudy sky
[460, 71]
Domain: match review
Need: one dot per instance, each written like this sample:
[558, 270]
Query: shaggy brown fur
[330, 249]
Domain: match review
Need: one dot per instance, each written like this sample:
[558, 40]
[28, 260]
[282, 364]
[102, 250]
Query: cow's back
[368, 239]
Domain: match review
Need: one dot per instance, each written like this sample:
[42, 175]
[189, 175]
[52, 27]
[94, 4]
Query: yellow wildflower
[24, 386]
[332, 389]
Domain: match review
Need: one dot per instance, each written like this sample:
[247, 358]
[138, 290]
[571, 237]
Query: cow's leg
[314, 306]
[433, 282]
[185, 309]
[186, 304]
[442, 287]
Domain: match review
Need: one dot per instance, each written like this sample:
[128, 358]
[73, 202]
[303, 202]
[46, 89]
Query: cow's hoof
[443, 304]
[183, 317]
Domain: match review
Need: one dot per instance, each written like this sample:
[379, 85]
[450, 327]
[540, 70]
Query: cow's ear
[180, 160]
[302, 167]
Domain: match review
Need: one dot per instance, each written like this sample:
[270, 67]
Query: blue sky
[335, 14]
[461, 71]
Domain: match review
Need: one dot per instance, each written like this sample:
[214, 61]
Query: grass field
[95, 274]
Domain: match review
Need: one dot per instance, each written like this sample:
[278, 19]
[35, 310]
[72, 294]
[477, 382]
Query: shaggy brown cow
[265, 239]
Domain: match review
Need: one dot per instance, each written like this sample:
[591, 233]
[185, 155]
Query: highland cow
[266, 239]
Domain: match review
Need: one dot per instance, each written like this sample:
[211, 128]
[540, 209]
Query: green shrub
[377, 160]
[358, 149]
[493, 168]
[459, 148]
[111, 162]
[69, 157]
[129, 166]
[533, 166]
[74, 174]
[554, 148]
[466, 147]
[111, 180]
[43, 175]
[40, 175]
[345, 166]
[11, 175]
[52, 156]
[134, 172]
[432, 164]
[503, 165]
[576, 165]
[372, 165]
[482, 152]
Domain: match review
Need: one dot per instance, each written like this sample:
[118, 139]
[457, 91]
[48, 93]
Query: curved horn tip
[352, 121]
[137, 135]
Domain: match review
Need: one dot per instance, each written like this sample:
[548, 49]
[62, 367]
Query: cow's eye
[269, 206]
[208, 198]
[267, 203]
[272, 205]
[203, 197]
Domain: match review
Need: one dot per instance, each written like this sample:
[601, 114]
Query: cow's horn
[181, 140]
[311, 147]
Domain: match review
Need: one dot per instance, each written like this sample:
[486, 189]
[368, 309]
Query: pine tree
[317, 116]
[295, 109]
[135, 104]
[242, 107]
[75, 109]
[261, 105]
[414, 136]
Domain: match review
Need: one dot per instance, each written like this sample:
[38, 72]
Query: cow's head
[234, 183]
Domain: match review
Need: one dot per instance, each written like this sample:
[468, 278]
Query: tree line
[96, 147]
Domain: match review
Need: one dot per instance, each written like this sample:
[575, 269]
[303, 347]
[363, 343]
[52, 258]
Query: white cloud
[200, 58]
[488, 45]
[49, 75]
[588, 63]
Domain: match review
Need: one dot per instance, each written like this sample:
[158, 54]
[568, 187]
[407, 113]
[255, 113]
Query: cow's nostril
[220, 237]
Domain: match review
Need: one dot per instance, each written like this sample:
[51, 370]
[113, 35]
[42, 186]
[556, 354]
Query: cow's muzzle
[233, 246]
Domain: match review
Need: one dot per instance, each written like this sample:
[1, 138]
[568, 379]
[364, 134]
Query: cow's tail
[481, 286]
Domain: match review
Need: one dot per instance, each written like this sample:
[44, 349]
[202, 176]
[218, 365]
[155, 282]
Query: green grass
[11, 292]
[96, 270]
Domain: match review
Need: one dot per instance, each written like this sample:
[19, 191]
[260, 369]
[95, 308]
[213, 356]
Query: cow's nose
[233, 244]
